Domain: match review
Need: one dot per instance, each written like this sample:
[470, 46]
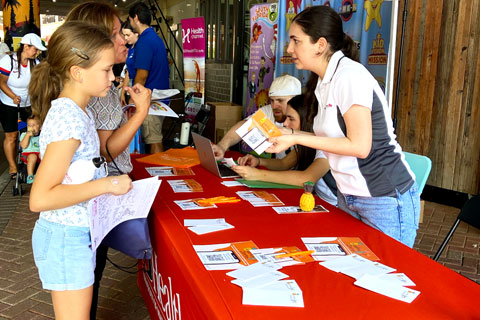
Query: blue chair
[421, 166]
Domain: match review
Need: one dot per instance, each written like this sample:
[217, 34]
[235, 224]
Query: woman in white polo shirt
[352, 126]
[14, 80]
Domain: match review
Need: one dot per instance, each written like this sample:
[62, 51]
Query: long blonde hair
[72, 44]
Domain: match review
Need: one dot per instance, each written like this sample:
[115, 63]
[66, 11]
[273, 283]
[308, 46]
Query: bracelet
[293, 131]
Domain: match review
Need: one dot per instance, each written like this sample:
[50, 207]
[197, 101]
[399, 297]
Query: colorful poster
[367, 22]
[193, 39]
[263, 38]
[19, 18]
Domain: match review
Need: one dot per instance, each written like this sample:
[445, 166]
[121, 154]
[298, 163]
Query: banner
[193, 39]
[19, 18]
[368, 23]
[263, 38]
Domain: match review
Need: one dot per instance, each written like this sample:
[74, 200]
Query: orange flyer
[180, 158]
[265, 125]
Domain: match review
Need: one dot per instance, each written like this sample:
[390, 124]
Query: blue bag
[132, 238]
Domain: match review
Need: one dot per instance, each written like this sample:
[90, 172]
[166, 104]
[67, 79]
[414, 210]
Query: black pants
[102, 252]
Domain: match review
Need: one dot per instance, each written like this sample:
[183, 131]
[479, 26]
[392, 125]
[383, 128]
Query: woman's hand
[141, 97]
[248, 160]
[280, 143]
[247, 173]
[119, 185]
[17, 100]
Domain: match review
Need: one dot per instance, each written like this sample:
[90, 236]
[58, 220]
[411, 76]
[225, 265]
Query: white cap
[33, 40]
[285, 85]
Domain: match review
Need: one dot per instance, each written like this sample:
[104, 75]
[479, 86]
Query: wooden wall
[439, 100]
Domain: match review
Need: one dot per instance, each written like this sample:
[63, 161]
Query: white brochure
[107, 211]
[284, 293]
[386, 288]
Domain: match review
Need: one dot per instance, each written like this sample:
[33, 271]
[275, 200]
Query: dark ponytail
[324, 22]
[318, 22]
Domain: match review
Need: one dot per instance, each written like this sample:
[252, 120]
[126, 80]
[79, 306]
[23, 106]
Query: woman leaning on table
[15, 73]
[352, 127]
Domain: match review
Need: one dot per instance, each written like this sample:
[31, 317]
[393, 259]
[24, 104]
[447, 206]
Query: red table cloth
[176, 285]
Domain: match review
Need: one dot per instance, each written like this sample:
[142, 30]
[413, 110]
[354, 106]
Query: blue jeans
[397, 217]
[63, 255]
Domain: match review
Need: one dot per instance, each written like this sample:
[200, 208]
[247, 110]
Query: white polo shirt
[347, 83]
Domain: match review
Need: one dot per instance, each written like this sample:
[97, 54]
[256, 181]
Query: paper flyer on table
[203, 226]
[272, 255]
[332, 247]
[385, 288]
[296, 209]
[284, 293]
[169, 171]
[108, 210]
[256, 131]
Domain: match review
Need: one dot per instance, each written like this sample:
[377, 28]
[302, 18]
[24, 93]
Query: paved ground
[21, 295]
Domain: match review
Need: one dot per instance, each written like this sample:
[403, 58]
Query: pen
[292, 254]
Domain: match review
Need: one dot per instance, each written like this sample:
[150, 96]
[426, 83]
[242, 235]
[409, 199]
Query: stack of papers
[203, 226]
[232, 184]
[262, 285]
[186, 185]
[169, 171]
[260, 198]
[374, 276]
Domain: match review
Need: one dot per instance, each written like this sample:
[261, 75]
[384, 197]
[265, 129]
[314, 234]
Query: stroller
[21, 163]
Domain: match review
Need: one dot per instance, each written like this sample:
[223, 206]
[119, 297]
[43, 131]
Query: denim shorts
[63, 256]
[395, 216]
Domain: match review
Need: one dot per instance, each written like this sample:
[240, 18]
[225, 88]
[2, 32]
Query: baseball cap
[285, 85]
[33, 40]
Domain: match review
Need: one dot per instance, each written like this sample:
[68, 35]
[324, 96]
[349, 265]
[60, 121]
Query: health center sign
[193, 39]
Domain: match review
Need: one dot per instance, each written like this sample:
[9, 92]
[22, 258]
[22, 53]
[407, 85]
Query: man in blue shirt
[152, 69]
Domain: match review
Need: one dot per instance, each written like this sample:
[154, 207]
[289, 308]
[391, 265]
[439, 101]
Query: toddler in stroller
[30, 147]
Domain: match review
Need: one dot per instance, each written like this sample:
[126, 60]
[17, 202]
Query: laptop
[207, 158]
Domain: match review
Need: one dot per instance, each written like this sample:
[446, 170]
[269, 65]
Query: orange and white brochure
[260, 198]
[169, 171]
[256, 131]
[185, 185]
[332, 247]
[193, 204]
[226, 256]
[274, 255]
